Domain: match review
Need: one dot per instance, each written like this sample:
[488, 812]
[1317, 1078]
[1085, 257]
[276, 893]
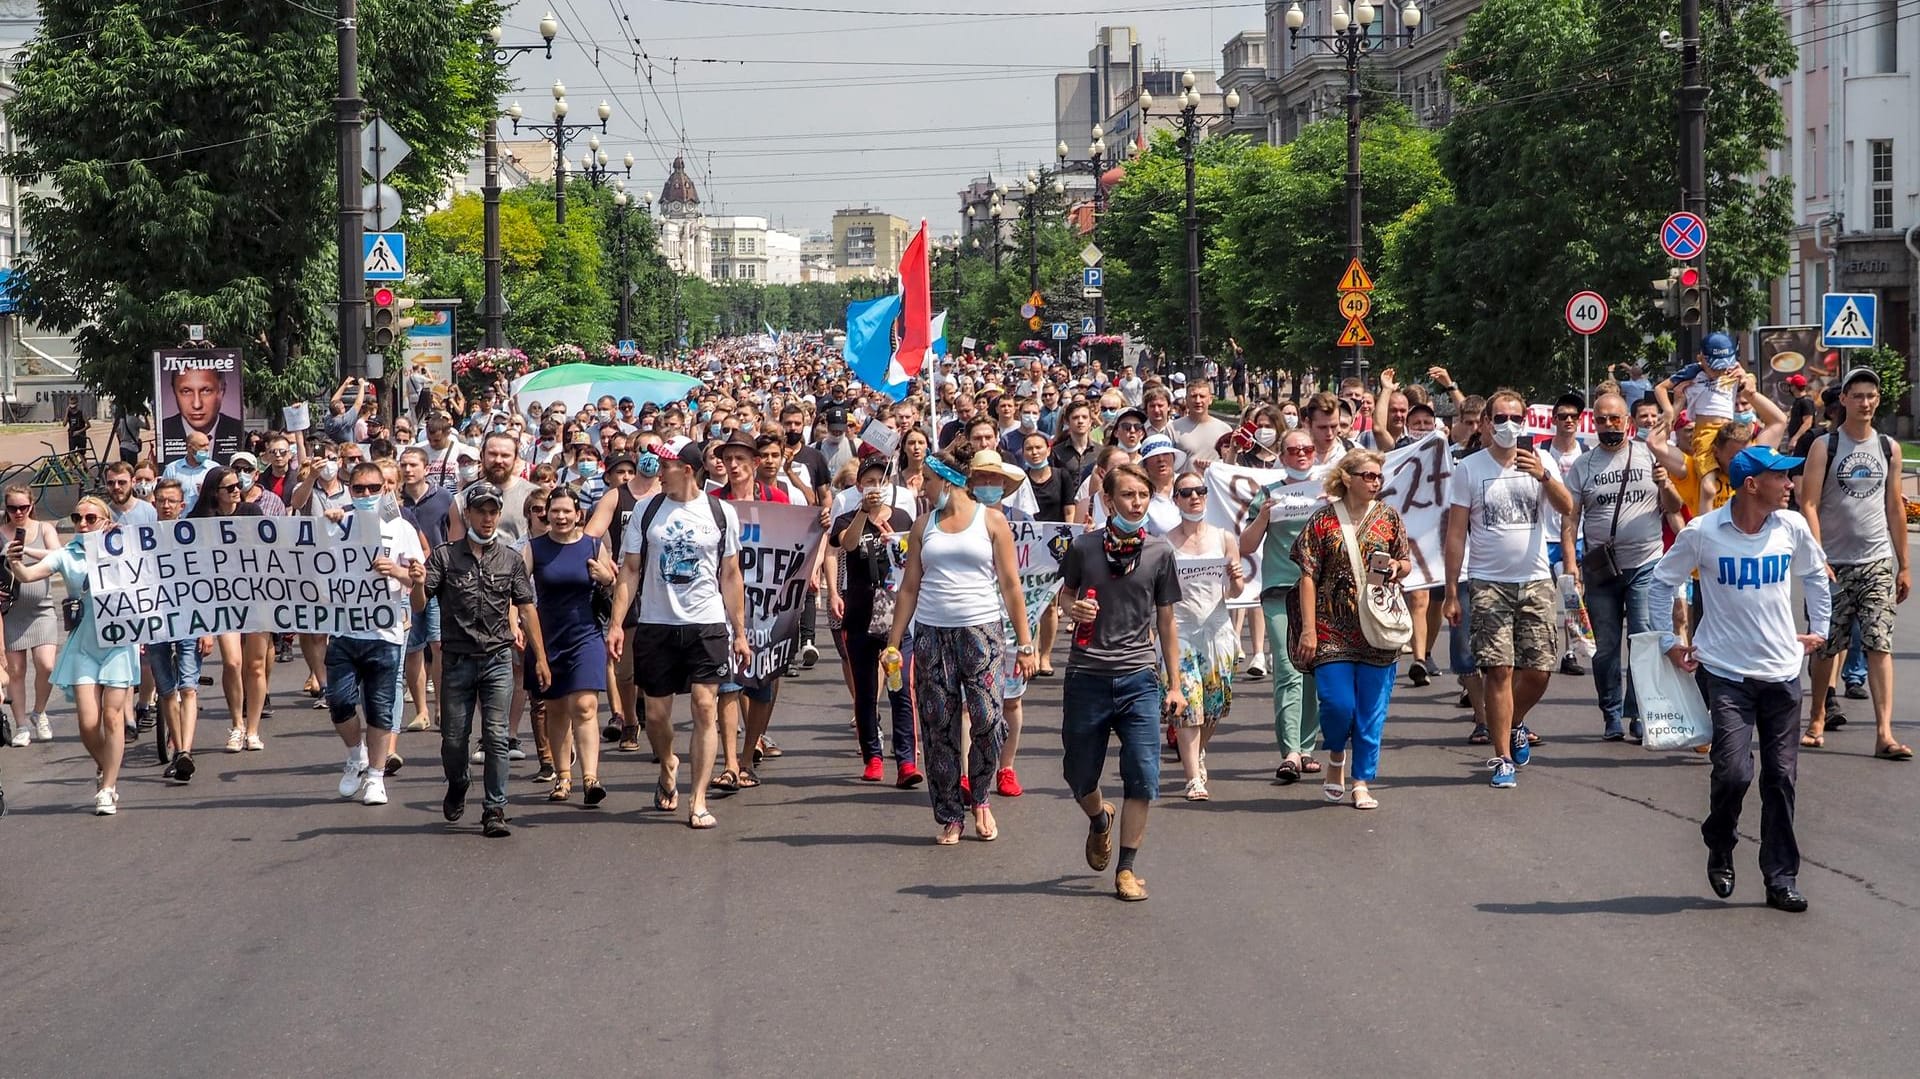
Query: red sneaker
[908, 777]
[1009, 784]
[875, 770]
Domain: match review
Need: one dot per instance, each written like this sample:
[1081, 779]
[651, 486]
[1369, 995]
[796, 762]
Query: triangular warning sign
[1356, 334]
[1037, 300]
[1355, 280]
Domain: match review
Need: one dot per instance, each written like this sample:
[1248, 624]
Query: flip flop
[724, 785]
[701, 821]
[1813, 741]
[1894, 752]
[1287, 774]
[665, 798]
[1309, 766]
[747, 779]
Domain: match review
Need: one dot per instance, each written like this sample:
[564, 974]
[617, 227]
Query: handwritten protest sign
[779, 550]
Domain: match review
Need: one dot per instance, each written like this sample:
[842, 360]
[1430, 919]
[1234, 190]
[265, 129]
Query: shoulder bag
[1384, 617]
[1599, 566]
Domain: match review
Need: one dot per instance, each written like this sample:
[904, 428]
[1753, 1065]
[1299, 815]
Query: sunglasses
[226, 487]
[249, 470]
[1191, 492]
[361, 488]
[1129, 426]
[1509, 417]
[85, 518]
[1567, 417]
[1297, 449]
[19, 509]
[536, 511]
[1370, 477]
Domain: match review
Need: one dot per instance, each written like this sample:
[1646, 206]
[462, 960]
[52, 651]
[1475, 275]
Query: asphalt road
[252, 924]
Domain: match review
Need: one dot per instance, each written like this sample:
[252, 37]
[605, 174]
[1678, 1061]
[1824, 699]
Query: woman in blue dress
[567, 563]
[98, 679]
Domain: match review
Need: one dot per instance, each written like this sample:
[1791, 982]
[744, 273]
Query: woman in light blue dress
[98, 679]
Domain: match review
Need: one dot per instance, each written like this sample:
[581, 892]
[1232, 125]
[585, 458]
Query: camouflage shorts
[1863, 593]
[1516, 625]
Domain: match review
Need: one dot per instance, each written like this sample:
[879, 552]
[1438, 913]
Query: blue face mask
[1107, 415]
[989, 496]
[1745, 417]
[587, 469]
[1128, 527]
[1036, 466]
[648, 464]
[366, 503]
[198, 457]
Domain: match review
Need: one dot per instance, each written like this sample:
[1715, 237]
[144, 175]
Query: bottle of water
[891, 662]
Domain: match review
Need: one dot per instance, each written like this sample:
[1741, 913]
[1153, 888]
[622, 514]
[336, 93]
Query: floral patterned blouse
[1321, 551]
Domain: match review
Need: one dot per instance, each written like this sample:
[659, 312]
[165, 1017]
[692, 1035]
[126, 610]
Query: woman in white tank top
[1208, 560]
[961, 576]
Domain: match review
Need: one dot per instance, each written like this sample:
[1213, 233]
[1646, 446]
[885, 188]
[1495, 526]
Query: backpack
[646, 522]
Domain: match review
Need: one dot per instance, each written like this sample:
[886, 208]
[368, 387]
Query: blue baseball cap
[1720, 350]
[1757, 459]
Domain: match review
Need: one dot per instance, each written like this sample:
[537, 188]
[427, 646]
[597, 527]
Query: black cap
[1131, 414]
[1572, 400]
[836, 417]
[693, 456]
[623, 459]
[482, 491]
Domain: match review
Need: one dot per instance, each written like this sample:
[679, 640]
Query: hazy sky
[812, 111]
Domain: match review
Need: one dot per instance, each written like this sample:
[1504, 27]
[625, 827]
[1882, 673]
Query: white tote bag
[1672, 711]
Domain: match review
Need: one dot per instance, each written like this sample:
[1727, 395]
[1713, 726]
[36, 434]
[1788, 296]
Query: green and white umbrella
[577, 384]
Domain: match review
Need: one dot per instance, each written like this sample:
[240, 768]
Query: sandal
[630, 740]
[1363, 798]
[1894, 752]
[765, 748]
[1309, 766]
[1335, 792]
[561, 788]
[747, 779]
[665, 798]
[594, 792]
[949, 835]
[988, 829]
[1813, 741]
[1479, 737]
[724, 785]
[701, 820]
[1288, 773]
[1196, 790]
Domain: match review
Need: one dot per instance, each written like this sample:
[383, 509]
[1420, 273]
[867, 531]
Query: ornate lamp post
[495, 301]
[1191, 123]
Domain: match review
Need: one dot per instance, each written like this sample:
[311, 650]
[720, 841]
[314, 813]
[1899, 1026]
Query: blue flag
[869, 350]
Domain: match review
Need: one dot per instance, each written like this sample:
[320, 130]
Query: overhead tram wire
[1078, 13]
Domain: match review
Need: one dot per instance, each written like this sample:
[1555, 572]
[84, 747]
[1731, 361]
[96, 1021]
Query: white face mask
[1265, 436]
[328, 470]
[1292, 420]
[1193, 515]
[1507, 435]
[1297, 474]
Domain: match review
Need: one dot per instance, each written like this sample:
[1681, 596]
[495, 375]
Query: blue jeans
[1097, 706]
[364, 675]
[175, 666]
[863, 653]
[1855, 669]
[467, 680]
[425, 629]
[1353, 707]
[1622, 601]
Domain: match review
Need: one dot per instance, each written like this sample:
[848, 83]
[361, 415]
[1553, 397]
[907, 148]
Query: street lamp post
[560, 133]
[997, 210]
[494, 313]
[624, 323]
[595, 170]
[1192, 121]
[1097, 165]
[1030, 209]
[1351, 40]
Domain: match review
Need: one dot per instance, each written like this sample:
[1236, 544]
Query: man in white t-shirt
[680, 554]
[1199, 431]
[1498, 501]
[1746, 654]
[363, 665]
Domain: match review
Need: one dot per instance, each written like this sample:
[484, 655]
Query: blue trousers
[482, 681]
[1353, 708]
[1855, 668]
[1620, 602]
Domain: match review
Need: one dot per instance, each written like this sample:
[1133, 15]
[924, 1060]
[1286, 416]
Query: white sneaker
[514, 752]
[1256, 666]
[350, 774]
[236, 739]
[106, 802]
[374, 793]
[42, 728]
[254, 742]
[479, 756]
[809, 655]
[22, 736]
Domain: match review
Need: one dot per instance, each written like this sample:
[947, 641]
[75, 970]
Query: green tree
[187, 154]
[1563, 156]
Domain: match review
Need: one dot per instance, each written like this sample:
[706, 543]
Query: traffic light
[1666, 293]
[384, 315]
[1693, 297]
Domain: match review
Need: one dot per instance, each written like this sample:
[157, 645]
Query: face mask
[1642, 433]
[647, 464]
[1296, 474]
[1265, 436]
[941, 502]
[587, 469]
[1612, 439]
[484, 541]
[366, 503]
[1037, 466]
[603, 415]
[328, 470]
[469, 473]
[143, 489]
[1290, 419]
[793, 438]
[198, 457]
[1029, 421]
[246, 481]
[1507, 435]
[873, 491]
[989, 496]
[1127, 527]
[1193, 515]
[1107, 415]
[1745, 417]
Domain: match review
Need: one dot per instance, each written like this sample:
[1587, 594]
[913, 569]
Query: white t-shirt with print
[1506, 540]
[680, 580]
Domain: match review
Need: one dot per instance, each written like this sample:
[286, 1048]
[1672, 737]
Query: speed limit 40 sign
[1587, 313]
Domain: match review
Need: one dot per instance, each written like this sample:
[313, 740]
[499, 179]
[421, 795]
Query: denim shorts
[1095, 707]
[364, 676]
[763, 695]
[425, 629]
[175, 665]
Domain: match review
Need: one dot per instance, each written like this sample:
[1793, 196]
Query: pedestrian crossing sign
[384, 255]
[1849, 320]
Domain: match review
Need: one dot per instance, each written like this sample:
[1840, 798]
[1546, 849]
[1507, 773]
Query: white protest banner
[175, 580]
[1416, 486]
[1540, 423]
[779, 548]
[296, 418]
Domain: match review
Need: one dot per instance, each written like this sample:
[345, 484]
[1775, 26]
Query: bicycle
[55, 470]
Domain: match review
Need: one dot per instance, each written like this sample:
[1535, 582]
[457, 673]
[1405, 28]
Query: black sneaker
[1570, 665]
[545, 774]
[454, 806]
[1857, 691]
[1418, 675]
[172, 770]
[183, 767]
[493, 824]
[266, 707]
[142, 718]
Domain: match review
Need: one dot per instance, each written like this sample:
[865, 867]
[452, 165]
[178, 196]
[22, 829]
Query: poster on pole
[780, 546]
[198, 389]
[176, 580]
[430, 345]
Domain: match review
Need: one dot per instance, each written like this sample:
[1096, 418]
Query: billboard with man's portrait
[198, 389]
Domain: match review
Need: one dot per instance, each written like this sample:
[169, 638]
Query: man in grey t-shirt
[1118, 586]
[1617, 493]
